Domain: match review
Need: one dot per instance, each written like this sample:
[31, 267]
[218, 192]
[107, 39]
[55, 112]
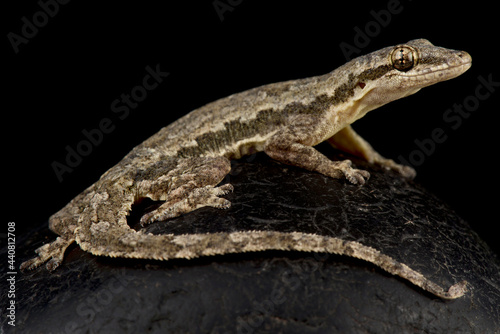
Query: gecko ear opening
[403, 58]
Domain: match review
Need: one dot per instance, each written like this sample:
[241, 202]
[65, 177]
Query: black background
[64, 79]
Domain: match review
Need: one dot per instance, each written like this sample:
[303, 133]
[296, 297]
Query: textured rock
[277, 291]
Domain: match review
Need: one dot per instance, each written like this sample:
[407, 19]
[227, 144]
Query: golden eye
[403, 58]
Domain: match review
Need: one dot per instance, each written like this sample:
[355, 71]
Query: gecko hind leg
[187, 190]
[61, 223]
[197, 198]
[52, 253]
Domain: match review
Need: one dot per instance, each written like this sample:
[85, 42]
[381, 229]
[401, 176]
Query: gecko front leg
[293, 145]
[349, 141]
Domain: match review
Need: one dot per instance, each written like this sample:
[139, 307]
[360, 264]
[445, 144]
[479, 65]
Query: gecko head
[395, 72]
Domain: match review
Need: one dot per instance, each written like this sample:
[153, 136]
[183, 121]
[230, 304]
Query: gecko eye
[403, 58]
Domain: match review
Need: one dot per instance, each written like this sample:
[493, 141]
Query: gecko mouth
[444, 71]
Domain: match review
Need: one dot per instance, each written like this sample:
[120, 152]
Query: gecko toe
[223, 190]
[407, 172]
[30, 264]
[52, 264]
[356, 176]
[221, 203]
[457, 290]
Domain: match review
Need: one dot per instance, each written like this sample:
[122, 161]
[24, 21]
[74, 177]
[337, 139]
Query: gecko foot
[389, 164]
[197, 198]
[52, 253]
[353, 175]
[357, 176]
[405, 171]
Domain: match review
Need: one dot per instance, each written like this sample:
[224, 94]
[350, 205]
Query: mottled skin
[184, 162]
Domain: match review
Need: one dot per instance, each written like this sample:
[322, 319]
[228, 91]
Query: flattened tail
[124, 242]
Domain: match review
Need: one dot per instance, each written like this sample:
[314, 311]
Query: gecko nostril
[464, 57]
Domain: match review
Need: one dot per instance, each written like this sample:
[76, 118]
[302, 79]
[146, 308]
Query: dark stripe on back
[268, 120]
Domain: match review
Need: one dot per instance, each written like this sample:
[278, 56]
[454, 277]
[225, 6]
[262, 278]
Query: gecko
[183, 164]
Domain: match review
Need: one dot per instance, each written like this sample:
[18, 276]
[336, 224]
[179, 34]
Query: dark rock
[276, 291]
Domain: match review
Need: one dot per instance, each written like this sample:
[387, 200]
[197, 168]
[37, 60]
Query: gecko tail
[124, 242]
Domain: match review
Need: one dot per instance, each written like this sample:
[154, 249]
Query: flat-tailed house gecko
[184, 162]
